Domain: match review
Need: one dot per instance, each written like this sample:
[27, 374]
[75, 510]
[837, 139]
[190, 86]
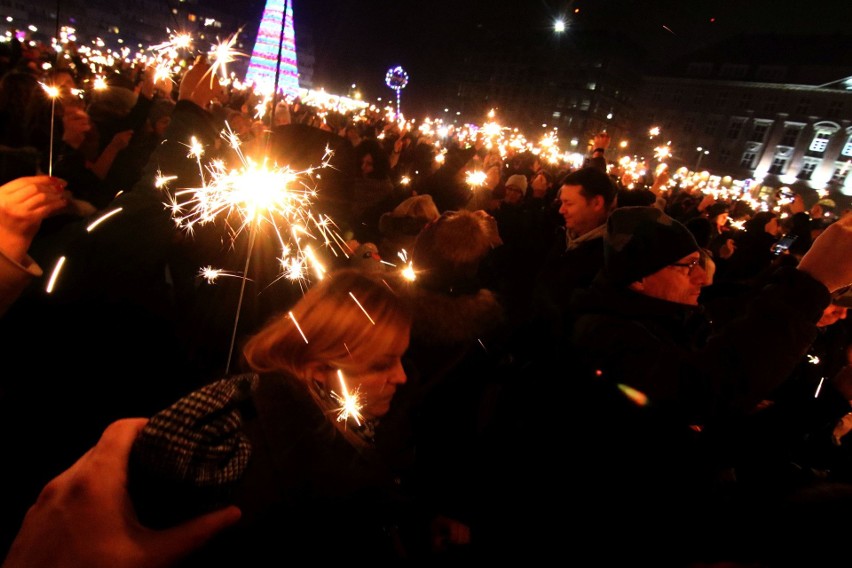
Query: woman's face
[376, 381]
[366, 165]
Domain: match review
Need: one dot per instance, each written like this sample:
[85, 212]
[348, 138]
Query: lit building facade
[783, 119]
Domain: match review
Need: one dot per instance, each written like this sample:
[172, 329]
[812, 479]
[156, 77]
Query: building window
[779, 164]
[791, 134]
[734, 71]
[711, 125]
[804, 106]
[807, 169]
[834, 109]
[758, 134]
[747, 160]
[841, 172]
[771, 104]
[724, 156]
[677, 96]
[735, 128]
[745, 101]
[722, 99]
[847, 148]
[689, 123]
[820, 141]
[770, 73]
[700, 69]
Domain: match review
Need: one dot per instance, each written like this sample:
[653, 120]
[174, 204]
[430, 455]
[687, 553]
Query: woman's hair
[381, 164]
[328, 326]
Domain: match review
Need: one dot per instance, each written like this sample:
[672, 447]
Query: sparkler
[222, 54]
[102, 218]
[53, 93]
[212, 274]
[251, 195]
[55, 274]
[350, 403]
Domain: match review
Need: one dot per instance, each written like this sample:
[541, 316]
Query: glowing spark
[404, 180]
[55, 274]
[662, 152]
[362, 308]
[212, 274]
[408, 273]
[813, 359]
[640, 398]
[475, 179]
[253, 194]
[162, 180]
[819, 387]
[102, 218]
[350, 404]
[222, 54]
[299, 329]
[669, 30]
[51, 90]
[654, 131]
[99, 83]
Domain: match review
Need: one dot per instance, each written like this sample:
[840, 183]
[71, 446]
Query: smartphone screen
[783, 244]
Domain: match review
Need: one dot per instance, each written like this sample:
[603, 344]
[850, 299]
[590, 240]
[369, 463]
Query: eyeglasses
[692, 265]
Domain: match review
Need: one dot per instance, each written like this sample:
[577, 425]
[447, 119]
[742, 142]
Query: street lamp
[701, 153]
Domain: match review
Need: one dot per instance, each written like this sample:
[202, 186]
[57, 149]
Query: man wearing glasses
[662, 396]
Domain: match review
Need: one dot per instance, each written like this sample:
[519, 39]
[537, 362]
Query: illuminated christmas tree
[264, 57]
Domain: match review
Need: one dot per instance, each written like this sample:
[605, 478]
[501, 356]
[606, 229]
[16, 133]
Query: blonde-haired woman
[280, 443]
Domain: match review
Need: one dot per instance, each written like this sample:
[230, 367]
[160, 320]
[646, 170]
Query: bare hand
[24, 203]
[602, 140]
[727, 249]
[199, 85]
[121, 140]
[84, 517]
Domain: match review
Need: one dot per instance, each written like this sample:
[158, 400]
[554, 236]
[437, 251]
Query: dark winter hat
[716, 209]
[639, 241]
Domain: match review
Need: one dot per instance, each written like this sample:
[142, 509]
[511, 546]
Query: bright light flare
[103, 218]
[350, 403]
[54, 276]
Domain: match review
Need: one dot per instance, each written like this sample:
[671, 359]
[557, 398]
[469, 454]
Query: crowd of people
[573, 360]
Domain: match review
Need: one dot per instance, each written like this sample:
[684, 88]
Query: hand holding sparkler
[24, 203]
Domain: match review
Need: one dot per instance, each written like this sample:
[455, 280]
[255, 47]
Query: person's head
[718, 214]
[540, 183]
[448, 252]
[587, 196]
[160, 116]
[763, 221]
[372, 160]
[516, 188]
[351, 322]
[824, 209]
[648, 252]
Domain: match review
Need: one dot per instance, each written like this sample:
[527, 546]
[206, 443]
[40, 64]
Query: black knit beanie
[639, 241]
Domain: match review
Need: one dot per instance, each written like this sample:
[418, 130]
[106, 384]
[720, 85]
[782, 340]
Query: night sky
[357, 41]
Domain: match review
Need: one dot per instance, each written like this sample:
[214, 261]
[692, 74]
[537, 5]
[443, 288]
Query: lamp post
[701, 153]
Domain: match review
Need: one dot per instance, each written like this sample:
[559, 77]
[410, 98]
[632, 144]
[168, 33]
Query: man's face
[581, 215]
[680, 282]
